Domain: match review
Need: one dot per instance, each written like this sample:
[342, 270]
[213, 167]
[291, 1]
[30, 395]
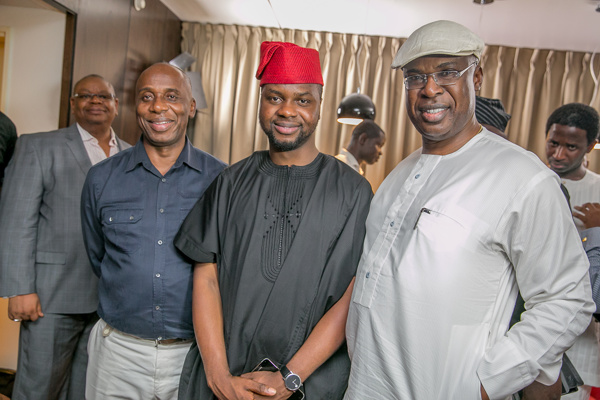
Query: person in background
[8, 138]
[276, 240]
[44, 270]
[131, 208]
[491, 114]
[452, 232]
[365, 146]
[571, 133]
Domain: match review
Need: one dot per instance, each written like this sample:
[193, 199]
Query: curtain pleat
[530, 82]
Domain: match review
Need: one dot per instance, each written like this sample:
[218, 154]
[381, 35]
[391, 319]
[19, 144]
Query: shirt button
[157, 307]
[131, 217]
[163, 180]
[162, 210]
[110, 219]
[368, 275]
[160, 242]
[392, 223]
[158, 275]
[417, 176]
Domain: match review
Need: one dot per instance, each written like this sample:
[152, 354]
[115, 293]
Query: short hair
[369, 127]
[576, 115]
[176, 67]
[94, 76]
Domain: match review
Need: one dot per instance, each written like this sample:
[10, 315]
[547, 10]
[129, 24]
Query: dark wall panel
[154, 36]
[116, 41]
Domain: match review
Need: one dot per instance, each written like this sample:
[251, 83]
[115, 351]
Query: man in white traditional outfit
[451, 232]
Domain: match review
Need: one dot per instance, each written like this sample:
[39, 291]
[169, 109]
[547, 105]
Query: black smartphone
[268, 365]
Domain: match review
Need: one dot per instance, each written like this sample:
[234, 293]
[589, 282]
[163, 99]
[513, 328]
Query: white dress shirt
[92, 147]
[448, 239]
[585, 190]
[347, 157]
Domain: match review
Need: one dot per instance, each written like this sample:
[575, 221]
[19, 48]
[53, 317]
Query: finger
[261, 389]
[581, 217]
[30, 315]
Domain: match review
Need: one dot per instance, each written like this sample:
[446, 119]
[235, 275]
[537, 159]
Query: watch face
[293, 382]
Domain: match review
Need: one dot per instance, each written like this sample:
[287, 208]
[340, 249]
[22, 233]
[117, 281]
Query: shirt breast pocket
[443, 230]
[120, 228]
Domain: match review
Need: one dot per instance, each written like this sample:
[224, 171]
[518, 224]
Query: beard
[283, 146]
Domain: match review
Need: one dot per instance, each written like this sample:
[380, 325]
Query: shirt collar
[86, 136]
[352, 161]
[187, 156]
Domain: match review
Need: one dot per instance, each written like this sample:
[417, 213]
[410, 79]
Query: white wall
[32, 102]
[34, 67]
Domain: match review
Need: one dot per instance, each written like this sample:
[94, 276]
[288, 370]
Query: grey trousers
[53, 357]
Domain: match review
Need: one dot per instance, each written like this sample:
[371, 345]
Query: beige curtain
[531, 84]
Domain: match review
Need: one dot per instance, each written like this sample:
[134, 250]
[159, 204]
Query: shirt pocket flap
[47, 257]
[121, 216]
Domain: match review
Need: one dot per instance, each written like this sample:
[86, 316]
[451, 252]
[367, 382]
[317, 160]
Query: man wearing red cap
[276, 240]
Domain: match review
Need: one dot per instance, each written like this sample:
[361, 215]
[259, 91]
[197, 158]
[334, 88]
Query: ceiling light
[354, 108]
[183, 62]
[482, 2]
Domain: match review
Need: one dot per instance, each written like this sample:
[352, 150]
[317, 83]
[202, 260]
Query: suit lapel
[78, 149]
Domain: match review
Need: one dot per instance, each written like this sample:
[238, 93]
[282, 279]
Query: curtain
[531, 84]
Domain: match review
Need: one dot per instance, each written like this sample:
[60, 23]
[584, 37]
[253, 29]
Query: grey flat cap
[440, 37]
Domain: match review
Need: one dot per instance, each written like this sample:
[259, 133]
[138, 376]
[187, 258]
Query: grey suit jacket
[41, 244]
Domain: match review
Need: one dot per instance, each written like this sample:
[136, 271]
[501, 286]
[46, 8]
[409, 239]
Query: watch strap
[284, 371]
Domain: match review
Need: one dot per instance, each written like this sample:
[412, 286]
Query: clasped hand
[260, 385]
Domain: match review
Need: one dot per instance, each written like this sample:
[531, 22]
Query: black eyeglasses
[90, 96]
[442, 78]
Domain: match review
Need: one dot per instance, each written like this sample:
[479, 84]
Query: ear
[591, 146]
[192, 108]
[362, 138]
[478, 78]
[116, 106]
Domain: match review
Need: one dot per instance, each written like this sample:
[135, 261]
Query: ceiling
[27, 3]
[545, 24]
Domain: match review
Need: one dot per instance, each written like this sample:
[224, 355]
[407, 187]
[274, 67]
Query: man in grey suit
[44, 269]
